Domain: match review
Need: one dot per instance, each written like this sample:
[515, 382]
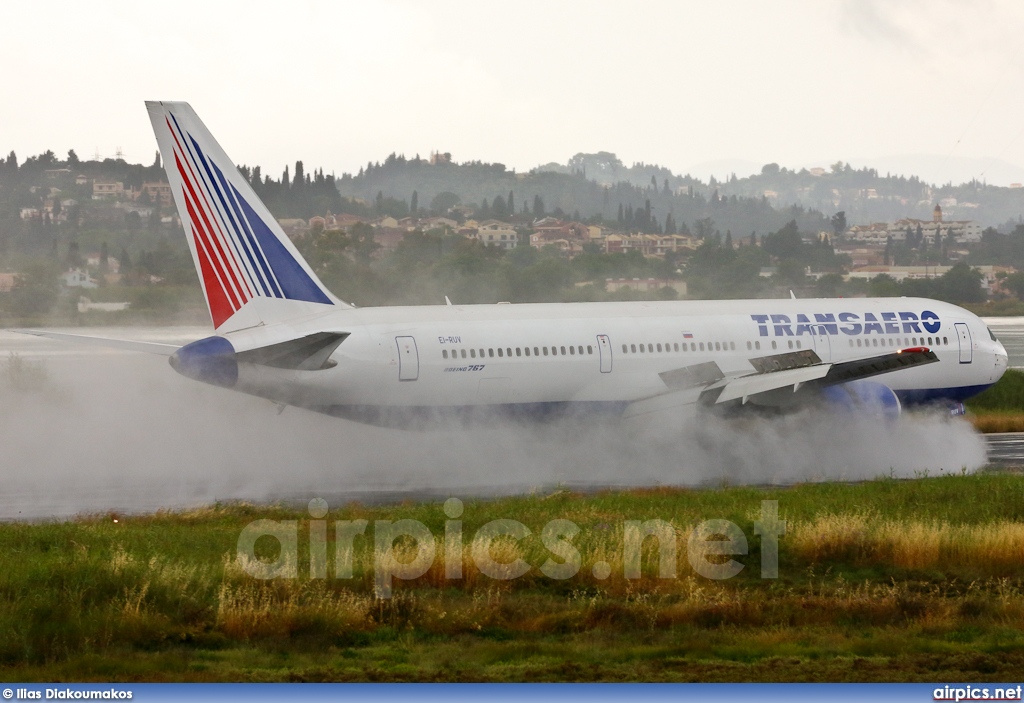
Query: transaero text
[849, 323]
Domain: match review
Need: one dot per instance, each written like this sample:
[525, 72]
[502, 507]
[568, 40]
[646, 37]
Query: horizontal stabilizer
[125, 344]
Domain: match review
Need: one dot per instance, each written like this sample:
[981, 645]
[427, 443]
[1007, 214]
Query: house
[92, 261]
[431, 223]
[77, 278]
[107, 190]
[644, 284]
[497, 233]
[155, 193]
[293, 226]
[86, 305]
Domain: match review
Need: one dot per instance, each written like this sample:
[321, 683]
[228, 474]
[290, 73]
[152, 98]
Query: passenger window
[444, 354]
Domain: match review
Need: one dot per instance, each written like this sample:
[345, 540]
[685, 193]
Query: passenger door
[963, 333]
[408, 359]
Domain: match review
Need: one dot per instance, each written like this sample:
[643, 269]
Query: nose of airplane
[1002, 358]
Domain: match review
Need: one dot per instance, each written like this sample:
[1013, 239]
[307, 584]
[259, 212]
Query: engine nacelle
[863, 397]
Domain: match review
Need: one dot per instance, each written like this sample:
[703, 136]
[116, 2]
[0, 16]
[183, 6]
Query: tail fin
[250, 271]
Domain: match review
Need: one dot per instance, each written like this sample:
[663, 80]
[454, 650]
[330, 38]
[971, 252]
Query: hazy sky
[336, 84]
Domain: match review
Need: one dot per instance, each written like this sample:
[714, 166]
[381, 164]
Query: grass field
[884, 580]
[1001, 407]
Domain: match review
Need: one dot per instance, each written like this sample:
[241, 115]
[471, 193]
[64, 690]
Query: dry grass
[869, 539]
[992, 422]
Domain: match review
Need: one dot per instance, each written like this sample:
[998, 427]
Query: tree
[838, 221]
[884, 286]
[784, 244]
[35, 289]
[1015, 284]
[498, 208]
[962, 284]
[444, 202]
[538, 206]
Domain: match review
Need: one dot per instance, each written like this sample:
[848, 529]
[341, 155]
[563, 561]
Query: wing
[774, 381]
[126, 344]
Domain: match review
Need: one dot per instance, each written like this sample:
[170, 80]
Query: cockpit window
[991, 334]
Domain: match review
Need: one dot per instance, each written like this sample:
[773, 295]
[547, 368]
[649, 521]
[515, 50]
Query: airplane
[281, 335]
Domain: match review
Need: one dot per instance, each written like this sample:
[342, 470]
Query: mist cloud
[124, 432]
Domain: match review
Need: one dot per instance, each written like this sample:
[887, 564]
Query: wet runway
[1005, 449]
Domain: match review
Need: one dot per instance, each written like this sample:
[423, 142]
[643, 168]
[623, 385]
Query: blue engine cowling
[863, 397]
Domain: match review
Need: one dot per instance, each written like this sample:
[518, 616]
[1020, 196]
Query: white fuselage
[609, 354]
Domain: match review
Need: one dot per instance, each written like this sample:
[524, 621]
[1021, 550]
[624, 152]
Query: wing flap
[873, 366]
[746, 386]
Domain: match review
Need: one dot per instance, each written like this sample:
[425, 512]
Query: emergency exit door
[408, 359]
[604, 350]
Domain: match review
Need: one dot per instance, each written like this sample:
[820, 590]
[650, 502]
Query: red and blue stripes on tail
[241, 253]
